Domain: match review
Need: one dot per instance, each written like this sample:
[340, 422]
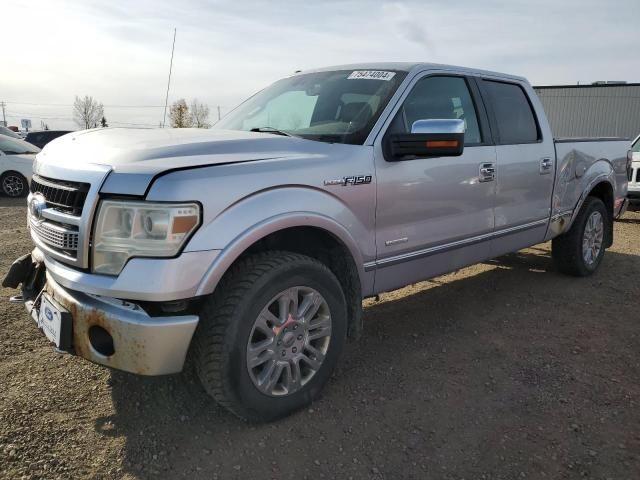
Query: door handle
[487, 172]
[546, 164]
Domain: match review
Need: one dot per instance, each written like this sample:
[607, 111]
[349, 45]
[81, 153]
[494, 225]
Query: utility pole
[4, 118]
[166, 99]
[219, 116]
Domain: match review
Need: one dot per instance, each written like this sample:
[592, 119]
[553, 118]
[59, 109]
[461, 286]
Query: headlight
[140, 229]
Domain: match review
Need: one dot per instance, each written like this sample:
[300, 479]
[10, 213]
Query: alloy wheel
[593, 238]
[12, 185]
[289, 341]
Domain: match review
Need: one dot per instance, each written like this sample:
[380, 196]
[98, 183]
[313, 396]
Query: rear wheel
[13, 184]
[579, 251]
[271, 334]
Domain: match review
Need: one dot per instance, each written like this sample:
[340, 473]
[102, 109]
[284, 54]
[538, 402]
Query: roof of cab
[415, 66]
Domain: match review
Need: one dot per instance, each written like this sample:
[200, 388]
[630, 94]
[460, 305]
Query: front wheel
[13, 184]
[579, 251]
[271, 334]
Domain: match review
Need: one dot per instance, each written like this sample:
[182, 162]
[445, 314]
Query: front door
[434, 215]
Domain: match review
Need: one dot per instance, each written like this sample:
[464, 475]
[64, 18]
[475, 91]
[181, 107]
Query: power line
[22, 115]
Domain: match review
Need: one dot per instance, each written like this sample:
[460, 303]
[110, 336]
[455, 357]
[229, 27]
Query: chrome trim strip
[561, 214]
[369, 266]
[426, 252]
[60, 217]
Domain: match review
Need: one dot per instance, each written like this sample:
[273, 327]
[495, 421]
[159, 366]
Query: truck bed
[575, 156]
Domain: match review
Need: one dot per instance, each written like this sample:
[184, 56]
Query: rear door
[525, 169]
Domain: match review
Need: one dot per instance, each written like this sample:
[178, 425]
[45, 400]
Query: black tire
[226, 322]
[566, 249]
[13, 184]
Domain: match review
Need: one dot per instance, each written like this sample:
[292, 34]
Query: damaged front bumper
[105, 330]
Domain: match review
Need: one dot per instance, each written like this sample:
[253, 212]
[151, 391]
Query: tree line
[89, 113]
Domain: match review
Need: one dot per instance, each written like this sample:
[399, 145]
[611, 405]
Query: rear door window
[512, 112]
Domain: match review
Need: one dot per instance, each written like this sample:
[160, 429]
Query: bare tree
[179, 114]
[87, 112]
[199, 114]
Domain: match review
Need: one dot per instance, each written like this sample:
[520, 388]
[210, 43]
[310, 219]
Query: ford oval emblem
[48, 313]
[36, 205]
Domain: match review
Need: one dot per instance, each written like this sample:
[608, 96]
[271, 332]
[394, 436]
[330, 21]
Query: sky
[118, 51]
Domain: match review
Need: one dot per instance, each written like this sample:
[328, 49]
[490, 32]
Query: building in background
[602, 109]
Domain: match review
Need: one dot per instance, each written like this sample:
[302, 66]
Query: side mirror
[428, 138]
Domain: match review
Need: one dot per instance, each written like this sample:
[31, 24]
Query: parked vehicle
[251, 246]
[634, 176]
[8, 132]
[16, 164]
[41, 138]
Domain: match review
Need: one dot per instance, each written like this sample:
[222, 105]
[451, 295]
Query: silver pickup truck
[248, 248]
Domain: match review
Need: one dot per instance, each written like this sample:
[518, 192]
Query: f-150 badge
[352, 180]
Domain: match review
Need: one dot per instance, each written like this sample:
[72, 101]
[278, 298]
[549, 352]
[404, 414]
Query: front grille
[63, 238]
[67, 197]
[638, 175]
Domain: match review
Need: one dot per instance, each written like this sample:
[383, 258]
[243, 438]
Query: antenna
[166, 98]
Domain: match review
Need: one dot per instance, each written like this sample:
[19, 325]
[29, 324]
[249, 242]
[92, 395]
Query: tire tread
[566, 249]
[211, 343]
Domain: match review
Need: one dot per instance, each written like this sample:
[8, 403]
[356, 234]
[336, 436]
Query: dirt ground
[504, 370]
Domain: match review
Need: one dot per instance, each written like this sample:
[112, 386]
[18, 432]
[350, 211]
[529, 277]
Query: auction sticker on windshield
[371, 75]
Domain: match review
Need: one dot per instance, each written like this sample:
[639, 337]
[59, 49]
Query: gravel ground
[499, 371]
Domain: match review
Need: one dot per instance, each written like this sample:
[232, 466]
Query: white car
[16, 164]
[8, 132]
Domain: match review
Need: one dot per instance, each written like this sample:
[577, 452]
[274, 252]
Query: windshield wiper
[275, 131]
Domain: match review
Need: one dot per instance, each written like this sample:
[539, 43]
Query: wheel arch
[603, 189]
[309, 234]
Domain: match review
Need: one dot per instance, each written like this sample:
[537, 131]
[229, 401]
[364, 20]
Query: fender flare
[258, 231]
[602, 178]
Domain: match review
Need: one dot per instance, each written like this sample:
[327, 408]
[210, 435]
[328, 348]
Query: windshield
[636, 146]
[336, 106]
[12, 146]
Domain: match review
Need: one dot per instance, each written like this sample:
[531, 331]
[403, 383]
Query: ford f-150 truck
[248, 248]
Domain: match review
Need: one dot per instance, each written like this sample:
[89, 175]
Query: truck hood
[152, 151]
[135, 156]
